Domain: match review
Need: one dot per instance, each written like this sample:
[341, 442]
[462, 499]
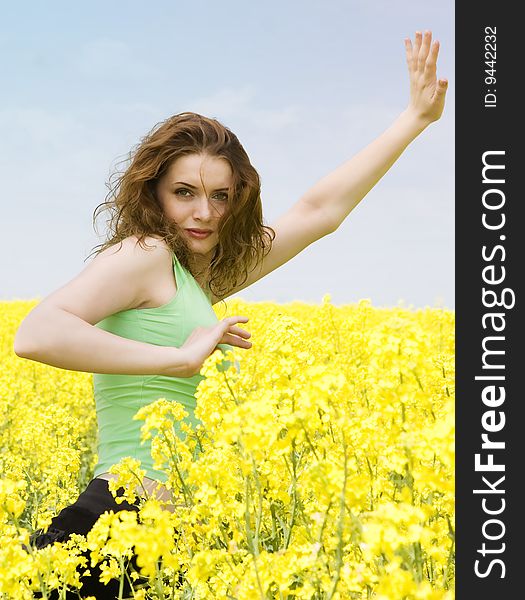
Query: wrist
[176, 362]
[414, 120]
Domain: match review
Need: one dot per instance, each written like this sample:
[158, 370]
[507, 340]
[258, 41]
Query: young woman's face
[194, 193]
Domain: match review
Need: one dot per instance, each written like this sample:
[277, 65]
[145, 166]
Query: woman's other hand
[203, 341]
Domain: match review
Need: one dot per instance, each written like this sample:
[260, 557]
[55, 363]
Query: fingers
[423, 50]
[236, 336]
[236, 319]
[409, 52]
[416, 48]
[235, 340]
[422, 55]
[240, 332]
[430, 63]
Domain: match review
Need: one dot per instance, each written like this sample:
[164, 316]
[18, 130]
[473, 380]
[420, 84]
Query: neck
[200, 266]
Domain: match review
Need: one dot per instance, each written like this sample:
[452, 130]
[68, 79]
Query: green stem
[121, 584]
[294, 498]
[174, 458]
[418, 560]
[251, 545]
[340, 526]
[158, 580]
[259, 511]
[140, 481]
[128, 578]
[308, 439]
[231, 391]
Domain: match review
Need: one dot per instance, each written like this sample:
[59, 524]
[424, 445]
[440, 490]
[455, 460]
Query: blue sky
[305, 85]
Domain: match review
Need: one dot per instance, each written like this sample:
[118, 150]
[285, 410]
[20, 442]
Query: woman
[186, 232]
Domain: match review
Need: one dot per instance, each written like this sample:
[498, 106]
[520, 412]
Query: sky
[305, 85]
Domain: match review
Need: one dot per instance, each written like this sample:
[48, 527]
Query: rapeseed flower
[322, 466]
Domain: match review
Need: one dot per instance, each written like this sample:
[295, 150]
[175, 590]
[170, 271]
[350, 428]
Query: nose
[203, 210]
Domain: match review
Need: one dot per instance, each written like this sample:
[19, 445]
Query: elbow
[19, 352]
[334, 227]
[24, 344]
[330, 222]
[29, 335]
[20, 347]
[331, 226]
[325, 217]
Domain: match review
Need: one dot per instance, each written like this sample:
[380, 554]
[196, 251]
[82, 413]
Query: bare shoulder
[157, 285]
[152, 255]
[151, 245]
[118, 278]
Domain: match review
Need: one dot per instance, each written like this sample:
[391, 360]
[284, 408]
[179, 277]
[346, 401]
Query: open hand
[427, 94]
[203, 341]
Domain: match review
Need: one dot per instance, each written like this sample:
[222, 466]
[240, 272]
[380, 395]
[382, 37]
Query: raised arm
[339, 192]
[321, 210]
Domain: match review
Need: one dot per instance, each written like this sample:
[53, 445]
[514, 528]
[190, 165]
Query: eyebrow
[194, 187]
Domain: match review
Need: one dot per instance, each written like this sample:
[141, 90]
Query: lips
[199, 234]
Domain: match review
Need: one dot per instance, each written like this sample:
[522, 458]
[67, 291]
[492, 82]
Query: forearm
[339, 192]
[60, 339]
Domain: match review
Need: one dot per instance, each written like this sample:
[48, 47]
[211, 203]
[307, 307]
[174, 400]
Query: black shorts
[80, 517]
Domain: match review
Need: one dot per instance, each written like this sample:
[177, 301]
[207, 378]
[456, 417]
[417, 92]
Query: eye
[180, 190]
[224, 196]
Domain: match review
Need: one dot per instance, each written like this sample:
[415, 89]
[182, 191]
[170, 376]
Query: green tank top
[119, 397]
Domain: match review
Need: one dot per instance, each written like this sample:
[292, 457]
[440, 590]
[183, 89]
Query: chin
[203, 247]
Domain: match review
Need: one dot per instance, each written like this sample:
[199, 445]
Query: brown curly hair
[135, 209]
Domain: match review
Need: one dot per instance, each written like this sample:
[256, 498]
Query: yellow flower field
[325, 465]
